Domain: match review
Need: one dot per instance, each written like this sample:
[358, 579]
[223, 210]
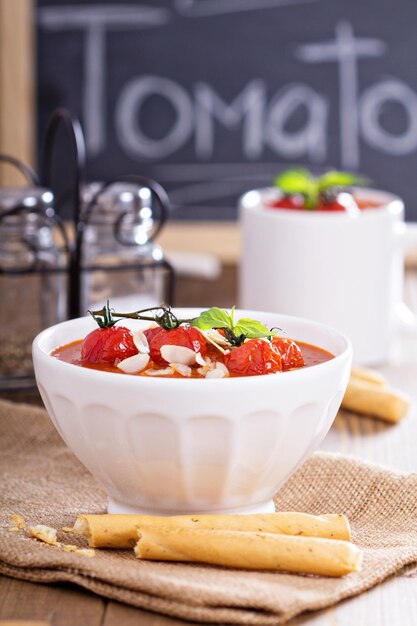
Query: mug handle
[407, 235]
[405, 318]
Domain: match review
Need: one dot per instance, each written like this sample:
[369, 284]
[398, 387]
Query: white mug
[330, 267]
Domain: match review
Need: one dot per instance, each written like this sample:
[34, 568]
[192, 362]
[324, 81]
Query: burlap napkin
[43, 482]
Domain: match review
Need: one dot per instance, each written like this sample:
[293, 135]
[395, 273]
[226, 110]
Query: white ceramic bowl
[170, 446]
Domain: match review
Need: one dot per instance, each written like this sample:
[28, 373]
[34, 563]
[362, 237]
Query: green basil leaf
[218, 318]
[339, 179]
[213, 318]
[294, 181]
[251, 328]
[311, 196]
[299, 181]
[232, 316]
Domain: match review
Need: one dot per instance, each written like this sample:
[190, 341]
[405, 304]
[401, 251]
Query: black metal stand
[73, 248]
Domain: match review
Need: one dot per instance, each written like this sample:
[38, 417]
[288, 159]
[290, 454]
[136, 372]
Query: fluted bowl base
[114, 506]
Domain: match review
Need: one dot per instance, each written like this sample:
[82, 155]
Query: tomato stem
[234, 340]
[162, 316]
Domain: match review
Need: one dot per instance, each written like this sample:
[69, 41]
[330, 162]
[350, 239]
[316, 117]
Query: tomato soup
[71, 353]
[295, 203]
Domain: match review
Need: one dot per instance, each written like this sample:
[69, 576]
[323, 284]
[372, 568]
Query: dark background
[211, 52]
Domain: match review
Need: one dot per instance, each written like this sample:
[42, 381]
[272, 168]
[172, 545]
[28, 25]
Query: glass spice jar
[120, 260]
[32, 279]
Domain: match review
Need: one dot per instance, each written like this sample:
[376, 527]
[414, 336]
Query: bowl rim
[255, 200]
[40, 355]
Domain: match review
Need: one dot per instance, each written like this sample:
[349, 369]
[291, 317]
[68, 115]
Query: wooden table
[394, 603]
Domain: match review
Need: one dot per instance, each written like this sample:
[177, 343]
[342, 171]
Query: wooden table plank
[393, 603]
[221, 239]
[61, 605]
[122, 615]
[25, 622]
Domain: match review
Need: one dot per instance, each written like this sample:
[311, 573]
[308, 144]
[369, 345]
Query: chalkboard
[213, 97]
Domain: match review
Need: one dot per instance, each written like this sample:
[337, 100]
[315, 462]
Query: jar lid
[30, 197]
[124, 200]
[115, 199]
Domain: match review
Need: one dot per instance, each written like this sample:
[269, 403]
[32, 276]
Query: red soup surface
[295, 203]
[71, 353]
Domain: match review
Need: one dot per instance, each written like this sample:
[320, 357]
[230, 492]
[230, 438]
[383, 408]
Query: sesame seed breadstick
[375, 399]
[249, 550]
[368, 375]
[120, 531]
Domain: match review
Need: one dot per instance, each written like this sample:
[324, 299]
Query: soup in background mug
[342, 270]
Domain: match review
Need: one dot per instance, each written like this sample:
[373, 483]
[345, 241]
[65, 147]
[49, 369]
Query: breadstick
[377, 400]
[120, 531]
[368, 375]
[249, 550]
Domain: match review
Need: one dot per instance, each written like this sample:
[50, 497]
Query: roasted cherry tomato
[151, 332]
[185, 336]
[288, 202]
[254, 357]
[342, 202]
[332, 207]
[105, 345]
[291, 355]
